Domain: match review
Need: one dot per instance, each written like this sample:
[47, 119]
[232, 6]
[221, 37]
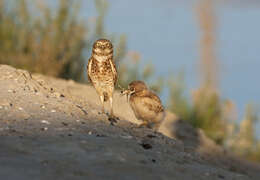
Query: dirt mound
[53, 128]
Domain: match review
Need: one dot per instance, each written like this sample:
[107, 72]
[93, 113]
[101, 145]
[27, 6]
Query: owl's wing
[113, 66]
[152, 102]
[146, 106]
[89, 69]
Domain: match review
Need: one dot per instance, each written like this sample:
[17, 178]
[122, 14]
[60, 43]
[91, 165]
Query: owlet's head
[102, 47]
[137, 86]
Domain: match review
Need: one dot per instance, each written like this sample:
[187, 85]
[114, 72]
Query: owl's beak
[129, 94]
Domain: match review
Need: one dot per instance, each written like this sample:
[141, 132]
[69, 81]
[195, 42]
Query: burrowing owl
[102, 72]
[146, 105]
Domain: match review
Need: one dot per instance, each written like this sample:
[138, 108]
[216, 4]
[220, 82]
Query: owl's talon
[144, 125]
[112, 119]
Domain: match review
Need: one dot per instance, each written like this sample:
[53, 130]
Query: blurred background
[200, 56]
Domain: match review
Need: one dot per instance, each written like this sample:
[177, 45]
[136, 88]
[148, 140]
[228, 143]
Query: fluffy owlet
[145, 104]
[102, 72]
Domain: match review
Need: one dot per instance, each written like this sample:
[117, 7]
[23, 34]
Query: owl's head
[137, 86]
[102, 47]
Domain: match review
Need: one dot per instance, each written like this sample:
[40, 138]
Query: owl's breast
[101, 71]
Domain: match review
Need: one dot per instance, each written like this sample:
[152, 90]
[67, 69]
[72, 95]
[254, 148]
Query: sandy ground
[53, 129]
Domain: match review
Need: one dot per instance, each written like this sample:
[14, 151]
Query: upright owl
[102, 72]
[145, 104]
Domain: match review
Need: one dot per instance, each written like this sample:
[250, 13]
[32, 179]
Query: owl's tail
[105, 96]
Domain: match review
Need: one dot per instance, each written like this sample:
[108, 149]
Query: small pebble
[207, 174]
[11, 91]
[20, 108]
[101, 135]
[12, 130]
[56, 94]
[42, 106]
[44, 129]
[221, 176]
[1, 107]
[53, 110]
[45, 122]
[26, 88]
[64, 124]
[126, 136]
[45, 162]
[89, 133]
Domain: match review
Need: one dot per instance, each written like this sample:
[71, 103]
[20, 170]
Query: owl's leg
[102, 103]
[112, 118]
[111, 106]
